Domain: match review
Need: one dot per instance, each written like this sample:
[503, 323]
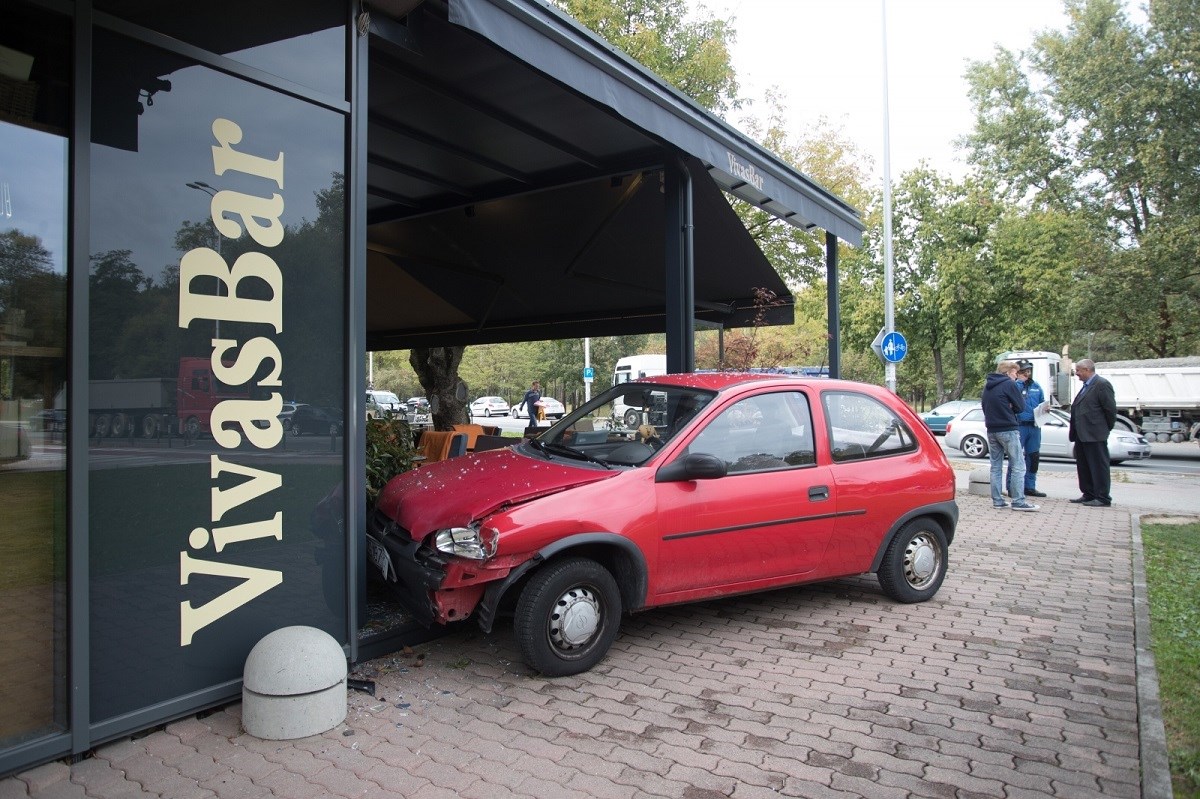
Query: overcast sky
[826, 57]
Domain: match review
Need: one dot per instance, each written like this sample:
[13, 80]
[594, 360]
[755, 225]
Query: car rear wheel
[567, 617]
[915, 562]
[974, 447]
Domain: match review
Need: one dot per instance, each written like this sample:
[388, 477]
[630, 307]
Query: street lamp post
[211, 192]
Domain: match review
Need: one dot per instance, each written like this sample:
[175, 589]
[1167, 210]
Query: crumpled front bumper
[434, 587]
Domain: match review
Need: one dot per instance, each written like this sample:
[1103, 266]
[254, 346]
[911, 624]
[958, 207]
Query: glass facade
[216, 293]
[35, 60]
[202, 274]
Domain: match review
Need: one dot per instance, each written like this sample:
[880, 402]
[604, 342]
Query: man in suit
[1093, 414]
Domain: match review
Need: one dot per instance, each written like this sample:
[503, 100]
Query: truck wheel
[191, 428]
[102, 425]
[119, 426]
[567, 617]
[149, 426]
[632, 418]
[295, 430]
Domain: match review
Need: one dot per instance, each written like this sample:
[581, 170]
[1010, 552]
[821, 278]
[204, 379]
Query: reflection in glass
[33, 300]
[35, 72]
[299, 40]
[184, 581]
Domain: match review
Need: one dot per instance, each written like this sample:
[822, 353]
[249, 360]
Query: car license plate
[380, 557]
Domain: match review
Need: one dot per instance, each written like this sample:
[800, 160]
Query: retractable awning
[553, 43]
[515, 186]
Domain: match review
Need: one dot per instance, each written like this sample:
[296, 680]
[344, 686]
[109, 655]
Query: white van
[383, 403]
[633, 367]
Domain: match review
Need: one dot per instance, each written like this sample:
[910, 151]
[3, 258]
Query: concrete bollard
[981, 482]
[294, 684]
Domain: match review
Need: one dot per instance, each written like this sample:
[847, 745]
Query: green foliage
[691, 54]
[1172, 555]
[1097, 123]
[389, 453]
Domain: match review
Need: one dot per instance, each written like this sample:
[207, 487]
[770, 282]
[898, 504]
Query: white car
[553, 408]
[489, 406]
[967, 432]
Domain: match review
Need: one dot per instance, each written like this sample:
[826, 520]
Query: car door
[769, 518]
[880, 472]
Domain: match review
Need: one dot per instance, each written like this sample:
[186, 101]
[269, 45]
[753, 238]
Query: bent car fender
[632, 579]
[946, 513]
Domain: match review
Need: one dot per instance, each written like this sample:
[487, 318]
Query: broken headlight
[472, 541]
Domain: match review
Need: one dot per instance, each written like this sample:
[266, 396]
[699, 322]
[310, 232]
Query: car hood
[457, 491]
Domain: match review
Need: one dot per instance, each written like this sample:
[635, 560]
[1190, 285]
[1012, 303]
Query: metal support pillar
[680, 268]
[833, 305]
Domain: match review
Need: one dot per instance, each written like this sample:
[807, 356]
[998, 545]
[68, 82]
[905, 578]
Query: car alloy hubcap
[922, 559]
[575, 619]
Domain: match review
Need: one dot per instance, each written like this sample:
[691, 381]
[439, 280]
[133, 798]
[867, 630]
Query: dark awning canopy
[515, 171]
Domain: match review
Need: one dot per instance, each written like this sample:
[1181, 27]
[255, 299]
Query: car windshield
[624, 426]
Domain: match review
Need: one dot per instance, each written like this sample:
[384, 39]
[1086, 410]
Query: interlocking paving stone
[1020, 679]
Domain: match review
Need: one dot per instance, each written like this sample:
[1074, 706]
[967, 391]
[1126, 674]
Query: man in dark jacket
[1093, 414]
[1002, 401]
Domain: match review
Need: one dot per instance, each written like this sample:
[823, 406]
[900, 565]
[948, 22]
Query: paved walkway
[1024, 677]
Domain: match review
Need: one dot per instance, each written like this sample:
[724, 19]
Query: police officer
[1031, 434]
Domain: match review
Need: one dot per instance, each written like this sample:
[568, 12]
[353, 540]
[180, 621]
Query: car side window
[767, 431]
[863, 427]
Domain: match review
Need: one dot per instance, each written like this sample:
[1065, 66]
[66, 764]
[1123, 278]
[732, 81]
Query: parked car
[489, 406]
[553, 408]
[383, 403]
[316, 420]
[49, 420]
[735, 483]
[285, 415]
[936, 418]
[418, 405]
[967, 433]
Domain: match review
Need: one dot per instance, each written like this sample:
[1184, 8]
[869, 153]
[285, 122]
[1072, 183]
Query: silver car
[966, 432]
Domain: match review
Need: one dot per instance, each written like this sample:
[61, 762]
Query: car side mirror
[694, 466]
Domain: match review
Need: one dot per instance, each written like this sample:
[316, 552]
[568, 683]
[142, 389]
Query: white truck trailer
[1159, 397]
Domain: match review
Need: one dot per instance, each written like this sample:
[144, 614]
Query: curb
[1152, 736]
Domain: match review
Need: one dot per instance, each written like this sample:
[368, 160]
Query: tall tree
[1098, 121]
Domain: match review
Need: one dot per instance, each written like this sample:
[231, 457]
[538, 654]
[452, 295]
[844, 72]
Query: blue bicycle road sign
[894, 347]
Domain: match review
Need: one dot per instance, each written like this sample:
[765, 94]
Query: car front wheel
[974, 447]
[915, 562]
[567, 617]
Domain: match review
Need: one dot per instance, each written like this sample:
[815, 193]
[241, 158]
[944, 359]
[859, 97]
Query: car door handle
[818, 493]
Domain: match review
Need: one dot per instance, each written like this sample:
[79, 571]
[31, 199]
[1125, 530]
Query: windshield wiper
[539, 446]
[571, 452]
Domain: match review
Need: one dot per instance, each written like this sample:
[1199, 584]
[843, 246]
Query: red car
[732, 483]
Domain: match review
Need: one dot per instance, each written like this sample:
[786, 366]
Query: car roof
[719, 381]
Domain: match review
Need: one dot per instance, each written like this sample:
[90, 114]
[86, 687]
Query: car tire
[578, 592]
[915, 562]
[632, 419]
[974, 447]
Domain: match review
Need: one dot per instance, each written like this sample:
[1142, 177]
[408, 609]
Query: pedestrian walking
[1029, 426]
[1093, 414]
[1002, 401]
[531, 399]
